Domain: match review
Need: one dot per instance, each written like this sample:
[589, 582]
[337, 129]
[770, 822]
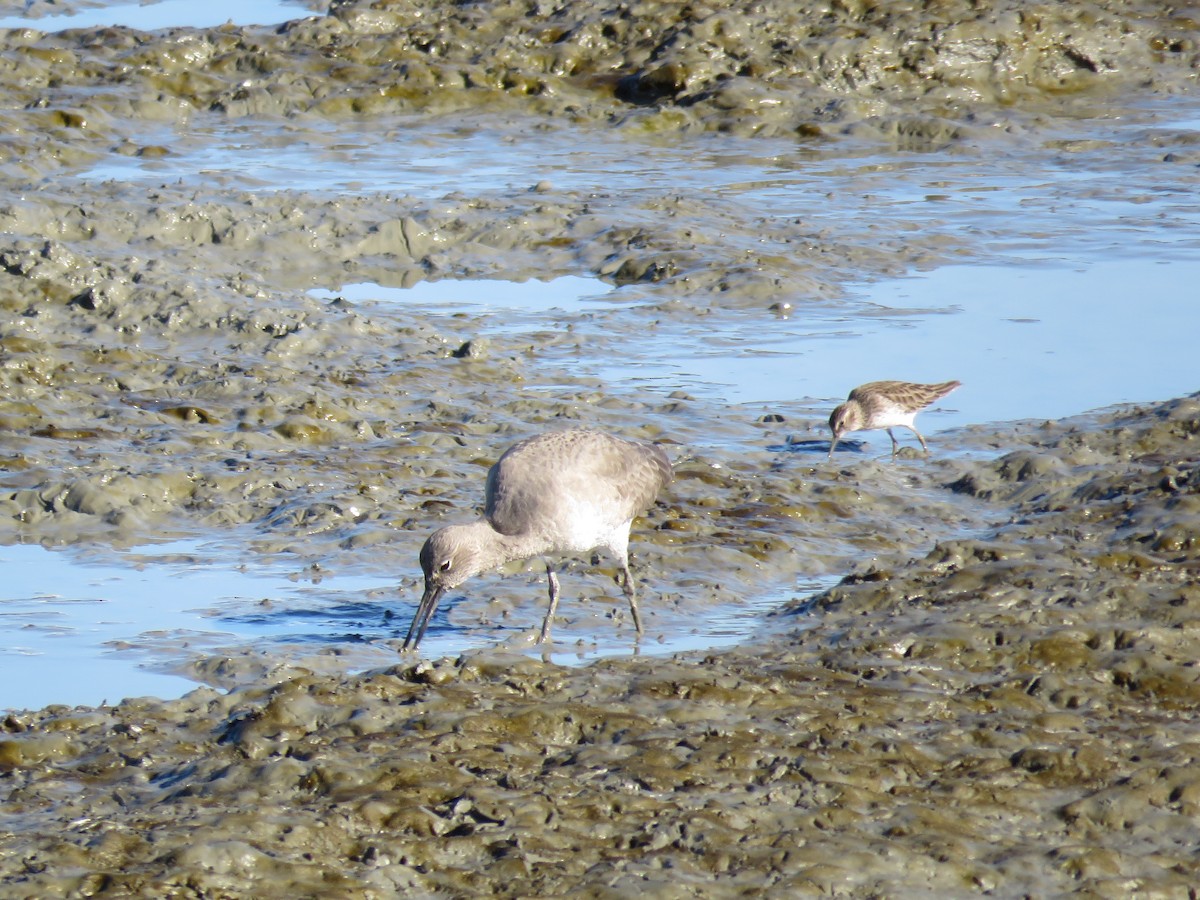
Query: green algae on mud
[1010, 714]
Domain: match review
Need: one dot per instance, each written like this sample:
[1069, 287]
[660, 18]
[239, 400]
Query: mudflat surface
[997, 697]
[1010, 714]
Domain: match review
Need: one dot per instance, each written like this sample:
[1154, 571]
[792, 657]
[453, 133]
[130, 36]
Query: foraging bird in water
[885, 404]
[560, 492]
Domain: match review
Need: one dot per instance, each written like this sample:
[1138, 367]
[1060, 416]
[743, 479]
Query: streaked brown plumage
[560, 492]
[885, 404]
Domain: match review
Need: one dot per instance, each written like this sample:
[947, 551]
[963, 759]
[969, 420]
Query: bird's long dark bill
[429, 601]
[833, 444]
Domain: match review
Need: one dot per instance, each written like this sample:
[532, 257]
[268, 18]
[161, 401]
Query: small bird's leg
[631, 593]
[895, 443]
[553, 579]
[924, 446]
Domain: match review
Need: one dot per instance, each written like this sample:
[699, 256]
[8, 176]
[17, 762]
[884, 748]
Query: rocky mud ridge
[763, 67]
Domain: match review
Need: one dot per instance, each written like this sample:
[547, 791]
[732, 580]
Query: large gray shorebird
[559, 492]
[888, 405]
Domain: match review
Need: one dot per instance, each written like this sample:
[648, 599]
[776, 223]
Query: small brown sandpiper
[885, 404]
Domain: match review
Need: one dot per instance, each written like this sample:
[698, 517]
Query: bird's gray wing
[542, 479]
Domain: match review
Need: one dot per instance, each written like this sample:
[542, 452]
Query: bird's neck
[496, 549]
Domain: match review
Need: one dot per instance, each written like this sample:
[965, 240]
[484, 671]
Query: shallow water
[1033, 314]
[1063, 249]
[166, 14]
[1029, 340]
[90, 626]
[474, 153]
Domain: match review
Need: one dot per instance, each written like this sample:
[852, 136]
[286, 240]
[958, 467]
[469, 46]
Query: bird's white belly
[893, 417]
[587, 528]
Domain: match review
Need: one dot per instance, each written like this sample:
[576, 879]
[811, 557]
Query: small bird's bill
[425, 609]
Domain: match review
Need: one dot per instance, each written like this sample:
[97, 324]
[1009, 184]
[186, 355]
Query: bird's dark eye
[445, 567]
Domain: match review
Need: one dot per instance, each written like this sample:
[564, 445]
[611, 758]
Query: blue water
[1029, 340]
[90, 628]
[1038, 324]
[168, 14]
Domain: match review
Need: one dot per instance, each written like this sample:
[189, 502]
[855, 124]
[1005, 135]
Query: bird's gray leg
[553, 579]
[895, 443]
[924, 446]
[631, 593]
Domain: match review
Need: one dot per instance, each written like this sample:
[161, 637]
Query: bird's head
[847, 417]
[450, 556]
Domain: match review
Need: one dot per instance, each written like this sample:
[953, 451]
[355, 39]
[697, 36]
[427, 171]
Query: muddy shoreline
[1010, 714]
[996, 699]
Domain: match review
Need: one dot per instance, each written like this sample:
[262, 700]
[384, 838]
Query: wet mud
[1010, 714]
[997, 697]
